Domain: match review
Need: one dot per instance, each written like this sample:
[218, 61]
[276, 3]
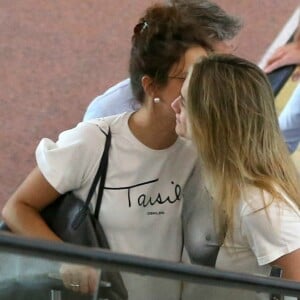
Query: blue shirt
[117, 99]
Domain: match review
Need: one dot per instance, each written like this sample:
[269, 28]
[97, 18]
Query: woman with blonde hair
[227, 108]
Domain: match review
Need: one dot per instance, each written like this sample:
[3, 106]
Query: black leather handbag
[72, 220]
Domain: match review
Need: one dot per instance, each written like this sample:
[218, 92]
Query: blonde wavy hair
[233, 122]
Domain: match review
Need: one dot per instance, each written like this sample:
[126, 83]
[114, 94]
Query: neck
[154, 131]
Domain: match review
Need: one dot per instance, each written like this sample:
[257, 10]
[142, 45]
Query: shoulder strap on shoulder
[100, 175]
[102, 172]
[101, 123]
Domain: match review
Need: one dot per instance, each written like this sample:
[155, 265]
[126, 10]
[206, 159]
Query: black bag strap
[100, 175]
[102, 172]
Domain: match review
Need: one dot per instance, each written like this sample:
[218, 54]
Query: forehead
[190, 57]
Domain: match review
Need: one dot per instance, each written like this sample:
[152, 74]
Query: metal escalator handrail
[144, 266]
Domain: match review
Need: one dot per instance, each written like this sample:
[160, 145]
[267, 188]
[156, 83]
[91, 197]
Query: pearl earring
[156, 100]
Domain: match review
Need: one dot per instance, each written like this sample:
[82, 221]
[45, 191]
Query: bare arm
[290, 264]
[21, 212]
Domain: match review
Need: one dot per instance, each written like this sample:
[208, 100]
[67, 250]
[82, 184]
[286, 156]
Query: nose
[176, 105]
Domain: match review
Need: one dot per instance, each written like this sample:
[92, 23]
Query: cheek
[186, 126]
[183, 123]
[183, 118]
[171, 92]
[188, 130]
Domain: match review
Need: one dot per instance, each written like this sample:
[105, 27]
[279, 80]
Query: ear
[148, 86]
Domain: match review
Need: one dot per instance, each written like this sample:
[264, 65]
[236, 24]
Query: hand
[283, 56]
[80, 278]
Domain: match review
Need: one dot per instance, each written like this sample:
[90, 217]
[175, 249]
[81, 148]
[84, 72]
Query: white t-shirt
[260, 236]
[142, 199]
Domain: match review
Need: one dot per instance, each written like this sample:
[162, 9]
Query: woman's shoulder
[85, 133]
[86, 139]
[255, 199]
[72, 160]
[113, 122]
[88, 130]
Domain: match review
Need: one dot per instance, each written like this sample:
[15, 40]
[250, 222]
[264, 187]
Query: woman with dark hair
[219, 27]
[148, 169]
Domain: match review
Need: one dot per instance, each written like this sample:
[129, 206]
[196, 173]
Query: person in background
[227, 109]
[289, 118]
[148, 166]
[219, 27]
[289, 54]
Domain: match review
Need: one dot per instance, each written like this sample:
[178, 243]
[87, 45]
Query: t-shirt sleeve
[68, 163]
[272, 232]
